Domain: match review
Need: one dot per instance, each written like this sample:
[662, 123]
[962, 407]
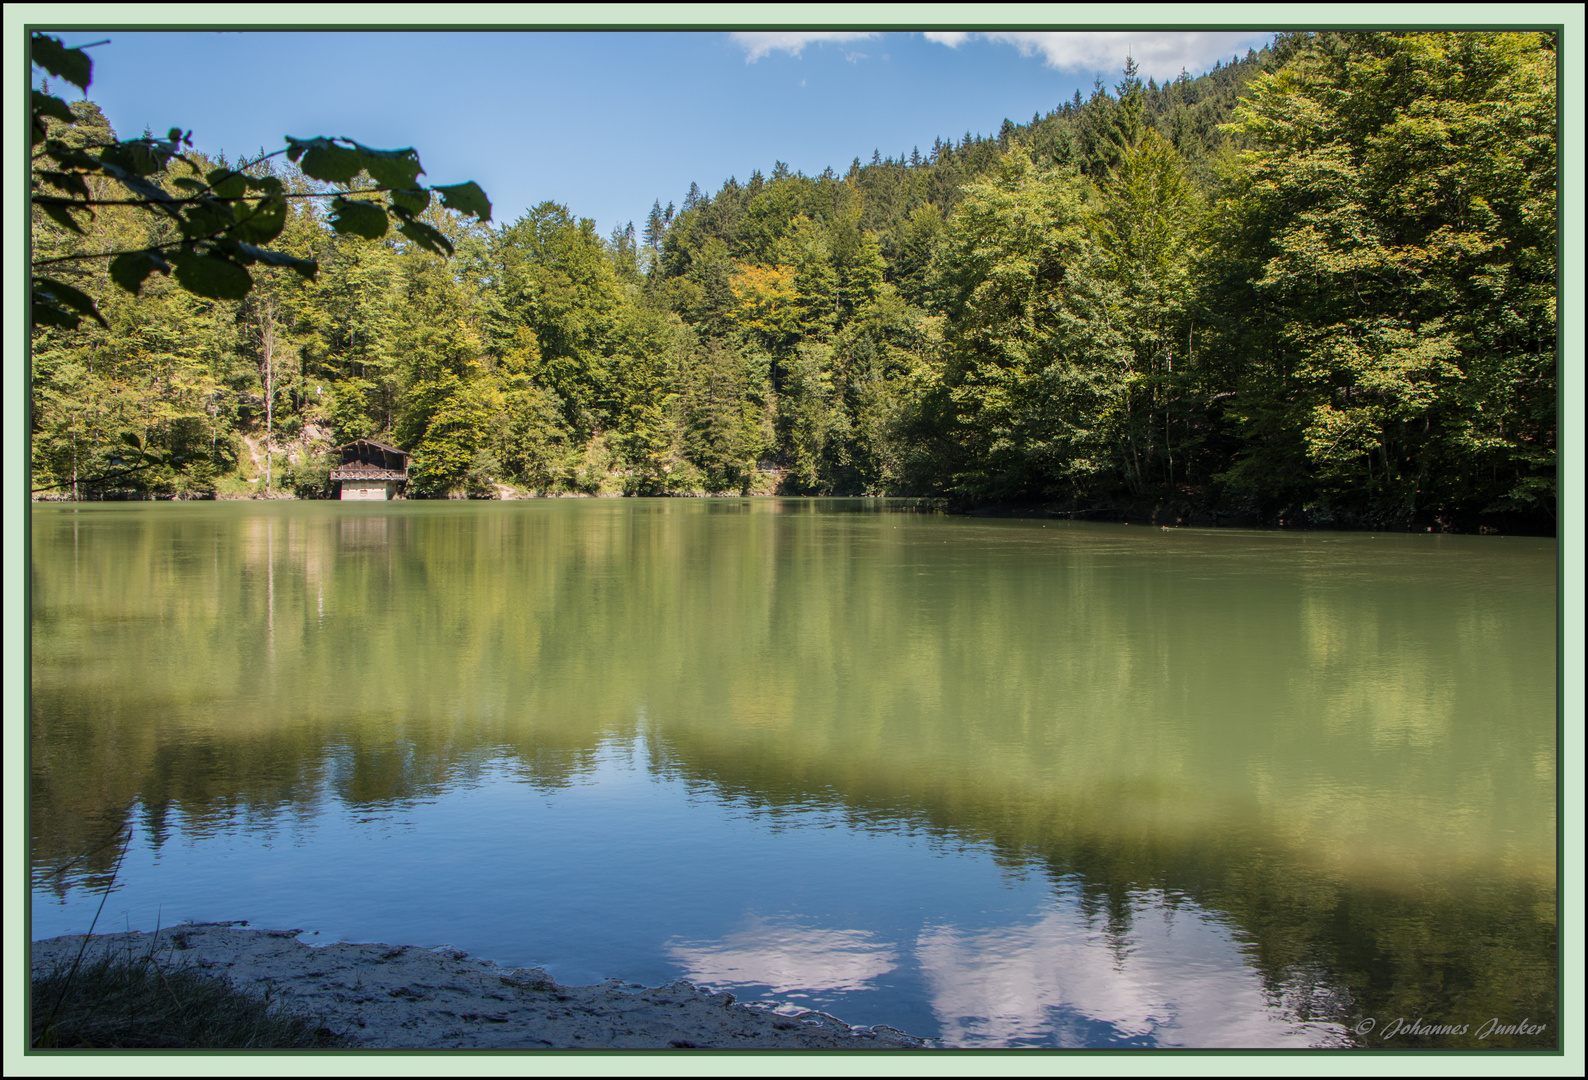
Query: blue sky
[605, 122]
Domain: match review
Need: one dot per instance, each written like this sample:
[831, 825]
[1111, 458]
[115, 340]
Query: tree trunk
[266, 314]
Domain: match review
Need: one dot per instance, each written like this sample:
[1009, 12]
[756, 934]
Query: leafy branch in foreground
[224, 217]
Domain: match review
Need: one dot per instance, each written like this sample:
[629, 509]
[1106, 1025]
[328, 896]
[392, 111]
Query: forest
[1316, 285]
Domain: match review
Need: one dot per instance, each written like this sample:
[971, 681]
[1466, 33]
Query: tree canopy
[1316, 283]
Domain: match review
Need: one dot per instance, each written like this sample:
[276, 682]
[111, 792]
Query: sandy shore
[403, 996]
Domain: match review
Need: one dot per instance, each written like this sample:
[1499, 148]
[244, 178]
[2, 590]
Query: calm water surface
[998, 783]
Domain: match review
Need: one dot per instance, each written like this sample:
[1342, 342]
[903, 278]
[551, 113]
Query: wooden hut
[371, 470]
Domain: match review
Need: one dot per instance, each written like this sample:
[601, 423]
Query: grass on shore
[144, 1002]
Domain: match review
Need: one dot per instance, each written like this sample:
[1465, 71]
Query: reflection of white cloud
[1178, 979]
[758, 43]
[787, 958]
[1157, 53]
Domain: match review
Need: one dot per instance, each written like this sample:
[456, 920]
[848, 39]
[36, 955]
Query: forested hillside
[1318, 283]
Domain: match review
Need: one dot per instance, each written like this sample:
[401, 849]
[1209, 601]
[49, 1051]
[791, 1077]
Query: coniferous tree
[655, 227]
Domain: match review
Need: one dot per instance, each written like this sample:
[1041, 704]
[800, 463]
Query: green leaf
[207, 217]
[58, 212]
[134, 181]
[45, 312]
[132, 440]
[324, 160]
[364, 219]
[69, 182]
[64, 296]
[130, 270]
[466, 198]
[391, 168]
[46, 105]
[144, 157]
[71, 157]
[260, 222]
[227, 183]
[296, 147]
[266, 185]
[426, 237]
[250, 254]
[213, 276]
[73, 65]
[407, 153]
[50, 105]
[411, 201]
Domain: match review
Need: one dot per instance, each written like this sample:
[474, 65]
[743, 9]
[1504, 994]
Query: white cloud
[759, 43]
[1159, 54]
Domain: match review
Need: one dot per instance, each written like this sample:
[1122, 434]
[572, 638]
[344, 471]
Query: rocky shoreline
[386, 997]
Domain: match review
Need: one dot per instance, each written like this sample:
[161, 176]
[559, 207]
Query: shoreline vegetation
[225, 986]
[1169, 511]
[1315, 286]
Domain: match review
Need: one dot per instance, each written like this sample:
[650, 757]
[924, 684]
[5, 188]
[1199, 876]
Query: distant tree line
[1322, 276]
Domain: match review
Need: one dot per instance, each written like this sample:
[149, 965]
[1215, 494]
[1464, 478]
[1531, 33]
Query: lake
[995, 782]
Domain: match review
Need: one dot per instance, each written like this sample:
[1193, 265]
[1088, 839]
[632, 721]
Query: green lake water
[994, 782]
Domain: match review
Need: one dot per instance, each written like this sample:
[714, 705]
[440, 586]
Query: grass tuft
[144, 1002]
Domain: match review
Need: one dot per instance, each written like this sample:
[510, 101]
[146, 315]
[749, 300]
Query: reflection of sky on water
[634, 876]
[638, 877]
[1175, 978]
[787, 958]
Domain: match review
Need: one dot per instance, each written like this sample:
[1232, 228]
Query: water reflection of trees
[1307, 751]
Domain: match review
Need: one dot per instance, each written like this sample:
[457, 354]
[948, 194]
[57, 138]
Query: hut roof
[371, 442]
